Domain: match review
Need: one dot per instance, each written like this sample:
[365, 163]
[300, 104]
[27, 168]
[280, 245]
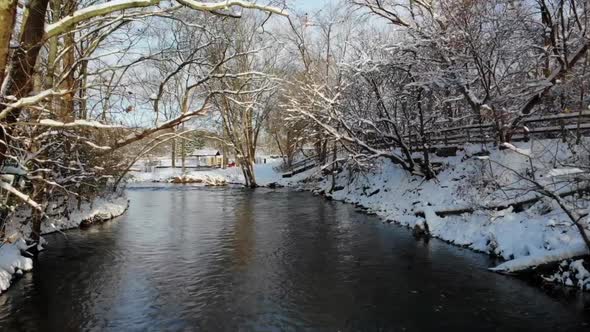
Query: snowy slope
[538, 234]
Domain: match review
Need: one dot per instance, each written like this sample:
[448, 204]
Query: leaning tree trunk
[553, 77]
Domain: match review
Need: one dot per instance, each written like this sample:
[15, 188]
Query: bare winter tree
[67, 64]
[244, 101]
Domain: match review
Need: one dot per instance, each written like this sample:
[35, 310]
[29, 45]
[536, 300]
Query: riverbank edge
[15, 260]
[525, 238]
[566, 269]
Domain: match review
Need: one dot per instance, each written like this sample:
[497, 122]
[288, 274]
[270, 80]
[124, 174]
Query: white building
[207, 157]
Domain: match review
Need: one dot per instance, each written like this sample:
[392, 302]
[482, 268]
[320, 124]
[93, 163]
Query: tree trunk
[426, 167]
[556, 74]
[7, 17]
[69, 84]
[173, 154]
[37, 217]
[83, 109]
[250, 173]
[224, 157]
[183, 151]
[18, 81]
[334, 166]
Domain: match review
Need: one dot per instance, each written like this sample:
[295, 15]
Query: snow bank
[265, 174]
[13, 262]
[207, 179]
[541, 257]
[102, 208]
[538, 234]
[175, 175]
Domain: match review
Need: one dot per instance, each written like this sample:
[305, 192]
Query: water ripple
[188, 258]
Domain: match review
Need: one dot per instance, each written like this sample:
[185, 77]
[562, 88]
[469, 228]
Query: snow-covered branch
[66, 23]
[30, 101]
[76, 124]
[24, 197]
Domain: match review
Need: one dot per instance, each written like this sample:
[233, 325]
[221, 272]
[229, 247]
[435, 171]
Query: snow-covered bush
[572, 273]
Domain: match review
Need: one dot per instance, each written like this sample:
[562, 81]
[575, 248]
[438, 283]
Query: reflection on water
[190, 258]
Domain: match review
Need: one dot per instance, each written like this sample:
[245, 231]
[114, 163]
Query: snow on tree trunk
[7, 17]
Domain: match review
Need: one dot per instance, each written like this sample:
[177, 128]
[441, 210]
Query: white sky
[310, 4]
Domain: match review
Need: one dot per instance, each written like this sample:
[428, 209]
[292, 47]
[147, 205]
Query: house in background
[207, 157]
[197, 159]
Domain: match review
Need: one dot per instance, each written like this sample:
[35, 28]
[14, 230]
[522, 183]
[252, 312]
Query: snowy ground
[12, 260]
[265, 174]
[525, 239]
[536, 232]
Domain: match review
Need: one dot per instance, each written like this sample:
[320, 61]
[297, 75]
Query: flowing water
[188, 258]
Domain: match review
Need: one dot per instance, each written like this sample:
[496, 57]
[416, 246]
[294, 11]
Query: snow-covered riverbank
[539, 233]
[100, 209]
[13, 262]
[535, 234]
[265, 174]
[524, 239]
[13, 259]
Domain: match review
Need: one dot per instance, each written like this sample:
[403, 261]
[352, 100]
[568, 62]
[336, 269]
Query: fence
[549, 126]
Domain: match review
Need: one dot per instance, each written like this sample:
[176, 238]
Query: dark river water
[190, 258]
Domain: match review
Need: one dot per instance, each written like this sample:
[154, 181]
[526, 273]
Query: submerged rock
[183, 179]
[421, 229]
[207, 180]
[338, 188]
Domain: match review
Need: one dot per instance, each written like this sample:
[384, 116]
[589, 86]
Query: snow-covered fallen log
[518, 204]
[540, 258]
